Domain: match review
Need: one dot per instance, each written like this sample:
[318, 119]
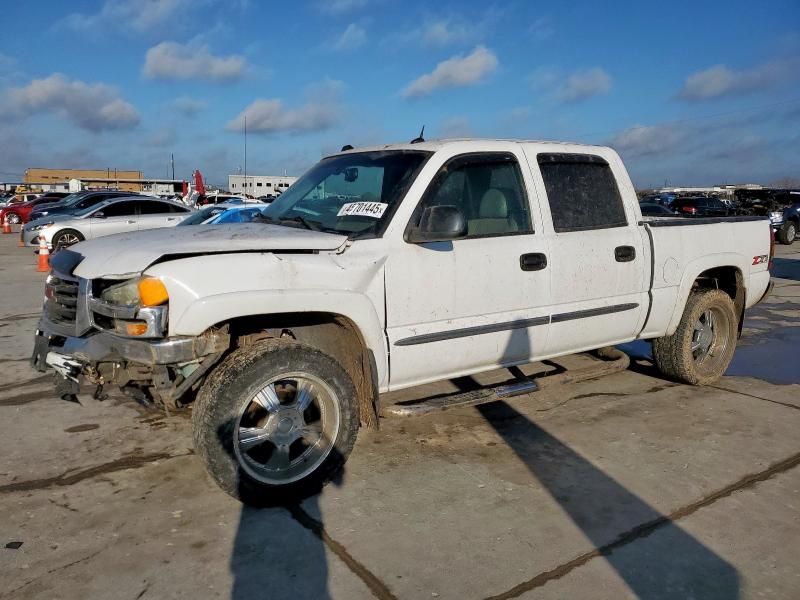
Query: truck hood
[128, 254]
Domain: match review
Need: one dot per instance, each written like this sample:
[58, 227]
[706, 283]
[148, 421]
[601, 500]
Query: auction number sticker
[363, 209]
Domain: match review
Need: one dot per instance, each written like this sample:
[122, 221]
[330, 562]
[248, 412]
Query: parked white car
[115, 215]
[452, 257]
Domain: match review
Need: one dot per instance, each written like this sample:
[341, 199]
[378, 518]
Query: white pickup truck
[384, 268]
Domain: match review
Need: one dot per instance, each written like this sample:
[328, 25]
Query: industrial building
[58, 179]
[259, 185]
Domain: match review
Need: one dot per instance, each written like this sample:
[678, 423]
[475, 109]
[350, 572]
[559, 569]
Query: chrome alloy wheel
[66, 239]
[287, 429]
[710, 337]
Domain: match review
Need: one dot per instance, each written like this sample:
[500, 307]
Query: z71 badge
[760, 260]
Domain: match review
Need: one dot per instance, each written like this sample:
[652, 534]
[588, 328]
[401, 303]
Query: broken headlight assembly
[134, 308]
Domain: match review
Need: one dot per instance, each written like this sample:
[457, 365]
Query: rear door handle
[130, 222]
[624, 253]
[535, 261]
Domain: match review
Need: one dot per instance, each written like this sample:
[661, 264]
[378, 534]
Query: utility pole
[245, 154]
[172, 162]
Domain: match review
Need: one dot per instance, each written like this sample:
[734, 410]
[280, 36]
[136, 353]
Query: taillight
[771, 247]
[691, 210]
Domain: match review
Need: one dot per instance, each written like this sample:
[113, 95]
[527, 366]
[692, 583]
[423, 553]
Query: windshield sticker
[363, 209]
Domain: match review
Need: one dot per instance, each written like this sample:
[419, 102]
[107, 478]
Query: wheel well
[728, 279]
[333, 334]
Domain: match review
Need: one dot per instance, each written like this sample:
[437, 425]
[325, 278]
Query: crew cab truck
[384, 268]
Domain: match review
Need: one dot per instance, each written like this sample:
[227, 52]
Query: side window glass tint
[489, 191]
[582, 192]
[120, 209]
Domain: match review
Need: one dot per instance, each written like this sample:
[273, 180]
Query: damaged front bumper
[160, 369]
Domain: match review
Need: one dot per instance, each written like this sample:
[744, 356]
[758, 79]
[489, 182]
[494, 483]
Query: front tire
[66, 238]
[275, 421]
[700, 350]
[787, 233]
[13, 218]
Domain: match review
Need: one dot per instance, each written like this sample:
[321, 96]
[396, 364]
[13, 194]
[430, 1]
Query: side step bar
[613, 361]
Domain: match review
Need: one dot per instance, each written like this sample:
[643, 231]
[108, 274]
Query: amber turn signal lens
[136, 328]
[152, 292]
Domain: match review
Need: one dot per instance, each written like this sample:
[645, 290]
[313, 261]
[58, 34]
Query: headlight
[145, 291]
[776, 215]
[40, 227]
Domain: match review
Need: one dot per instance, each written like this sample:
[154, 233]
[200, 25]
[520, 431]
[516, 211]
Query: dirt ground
[629, 486]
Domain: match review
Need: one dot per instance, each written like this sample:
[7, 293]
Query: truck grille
[61, 299]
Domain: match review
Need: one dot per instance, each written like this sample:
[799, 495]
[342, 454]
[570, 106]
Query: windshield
[91, 208]
[201, 215]
[351, 194]
[236, 215]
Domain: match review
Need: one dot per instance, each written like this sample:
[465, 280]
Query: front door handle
[130, 222]
[624, 253]
[535, 261]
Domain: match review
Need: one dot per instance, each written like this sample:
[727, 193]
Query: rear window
[582, 192]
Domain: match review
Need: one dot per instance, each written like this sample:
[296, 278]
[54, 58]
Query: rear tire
[700, 350]
[275, 421]
[13, 218]
[787, 233]
[66, 238]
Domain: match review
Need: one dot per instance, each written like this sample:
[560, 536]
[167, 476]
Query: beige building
[100, 178]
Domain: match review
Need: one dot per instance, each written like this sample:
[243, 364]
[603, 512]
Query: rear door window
[582, 192]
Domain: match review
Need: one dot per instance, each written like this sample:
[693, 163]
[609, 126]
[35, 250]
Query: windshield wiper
[312, 225]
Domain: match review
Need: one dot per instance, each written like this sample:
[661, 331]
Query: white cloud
[571, 87]
[585, 84]
[187, 106]
[94, 107]
[352, 37]
[458, 71]
[447, 31]
[140, 15]
[542, 29]
[342, 6]
[647, 140]
[721, 80]
[270, 115]
[455, 127]
[171, 60]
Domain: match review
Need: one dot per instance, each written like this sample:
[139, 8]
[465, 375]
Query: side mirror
[99, 215]
[350, 174]
[438, 224]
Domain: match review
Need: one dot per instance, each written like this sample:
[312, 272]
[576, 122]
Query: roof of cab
[435, 145]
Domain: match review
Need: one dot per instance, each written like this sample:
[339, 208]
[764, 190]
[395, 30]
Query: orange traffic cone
[6, 225]
[43, 265]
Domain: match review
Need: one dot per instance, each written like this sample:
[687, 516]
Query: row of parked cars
[65, 220]
[782, 209]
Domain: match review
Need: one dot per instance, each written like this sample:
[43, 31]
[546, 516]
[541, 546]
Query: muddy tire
[787, 233]
[66, 238]
[700, 350]
[275, 421]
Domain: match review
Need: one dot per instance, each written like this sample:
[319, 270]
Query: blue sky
[689, 92]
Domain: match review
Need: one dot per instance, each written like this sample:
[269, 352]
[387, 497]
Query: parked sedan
[701, 207]
[116, 215]
[237, 214]
[655, 210]
[21, 211]
[76, 202]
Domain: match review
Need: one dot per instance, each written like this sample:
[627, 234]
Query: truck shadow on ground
[786, 268]
[670, 563]
[279, 550]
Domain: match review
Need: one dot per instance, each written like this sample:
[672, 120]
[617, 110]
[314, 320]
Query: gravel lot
[629, 486]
